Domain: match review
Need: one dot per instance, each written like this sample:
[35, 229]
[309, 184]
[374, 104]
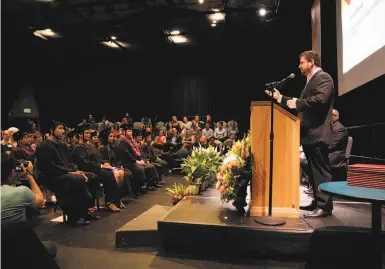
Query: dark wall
[71, 80]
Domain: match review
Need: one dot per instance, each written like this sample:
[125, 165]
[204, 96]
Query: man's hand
[277, 95]
[81, 174]
[30, 168]
[107, 165]
[292, 103]
[140, 162]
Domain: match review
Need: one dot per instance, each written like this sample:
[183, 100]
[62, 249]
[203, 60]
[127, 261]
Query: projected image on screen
[363, 30]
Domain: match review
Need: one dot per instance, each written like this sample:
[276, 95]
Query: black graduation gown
[125, 153]
[53, 171]
[109, 155]
[19, 153]
[89, 159]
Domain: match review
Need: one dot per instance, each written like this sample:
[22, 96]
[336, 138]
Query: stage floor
[204, 223]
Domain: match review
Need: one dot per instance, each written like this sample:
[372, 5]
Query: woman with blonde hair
[11, 131]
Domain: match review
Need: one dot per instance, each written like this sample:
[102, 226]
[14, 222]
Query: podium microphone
[270, 220]
[291, 76]
[279, 83]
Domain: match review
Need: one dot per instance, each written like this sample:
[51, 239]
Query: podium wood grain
[286, 169]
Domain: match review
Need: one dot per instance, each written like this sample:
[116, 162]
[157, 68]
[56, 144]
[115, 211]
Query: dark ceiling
[143, 23]
[239, 53]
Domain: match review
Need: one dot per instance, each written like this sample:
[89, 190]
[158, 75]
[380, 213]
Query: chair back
[349, 147]
[348, 152]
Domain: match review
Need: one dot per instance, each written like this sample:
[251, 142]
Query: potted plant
[200, 167]
[177, 192]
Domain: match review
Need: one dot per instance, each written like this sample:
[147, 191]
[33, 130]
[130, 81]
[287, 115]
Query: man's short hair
[312, 55]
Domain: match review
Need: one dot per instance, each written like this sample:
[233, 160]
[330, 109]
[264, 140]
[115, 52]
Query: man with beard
[70, 187]
[89, 159]
[314, 107]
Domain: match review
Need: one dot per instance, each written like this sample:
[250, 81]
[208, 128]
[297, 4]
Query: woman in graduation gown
[108, 151]
[89, 159]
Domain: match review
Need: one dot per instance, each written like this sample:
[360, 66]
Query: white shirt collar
[312, 73]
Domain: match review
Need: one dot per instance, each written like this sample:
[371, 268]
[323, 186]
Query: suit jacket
[314, 107]
[337, 149]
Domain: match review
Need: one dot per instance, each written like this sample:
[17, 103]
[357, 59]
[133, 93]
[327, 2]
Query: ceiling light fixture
[46, 33]
[114, 45]
[175, 32]
[213, 24]
[262, 12]
[201, 1]
[217, 17]
[113, 37]
[178, 39]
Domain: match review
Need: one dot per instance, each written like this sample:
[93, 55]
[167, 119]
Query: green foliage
[200, 163]
[178, 191]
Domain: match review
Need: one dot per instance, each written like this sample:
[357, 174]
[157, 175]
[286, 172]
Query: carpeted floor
[93, 246]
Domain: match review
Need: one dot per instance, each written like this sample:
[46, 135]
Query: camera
[19, 164]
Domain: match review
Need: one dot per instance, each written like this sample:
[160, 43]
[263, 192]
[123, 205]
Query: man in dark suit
[314, 107]
[337, 150]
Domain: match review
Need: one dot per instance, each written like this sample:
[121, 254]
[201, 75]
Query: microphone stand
[270, 220]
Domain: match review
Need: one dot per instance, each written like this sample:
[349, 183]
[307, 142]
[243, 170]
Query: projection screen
[360, 42]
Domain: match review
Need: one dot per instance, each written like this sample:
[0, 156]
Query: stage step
[142, 231]
[204, 224]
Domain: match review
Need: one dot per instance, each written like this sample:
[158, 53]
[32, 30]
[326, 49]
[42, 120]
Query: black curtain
[190, 96]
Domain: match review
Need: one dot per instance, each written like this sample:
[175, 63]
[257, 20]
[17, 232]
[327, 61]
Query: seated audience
[220, 133]
[108, 151]
[207, 131]
[200, 124]
[69, 186]
[227, 145]
[232, 130]
[6, 145]
[23, 151]
[127, 156]
[89, 159]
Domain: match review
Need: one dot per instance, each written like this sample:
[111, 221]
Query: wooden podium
[286, 169]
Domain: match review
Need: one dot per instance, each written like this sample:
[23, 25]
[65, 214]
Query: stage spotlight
[113, 37]
[262, 12]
